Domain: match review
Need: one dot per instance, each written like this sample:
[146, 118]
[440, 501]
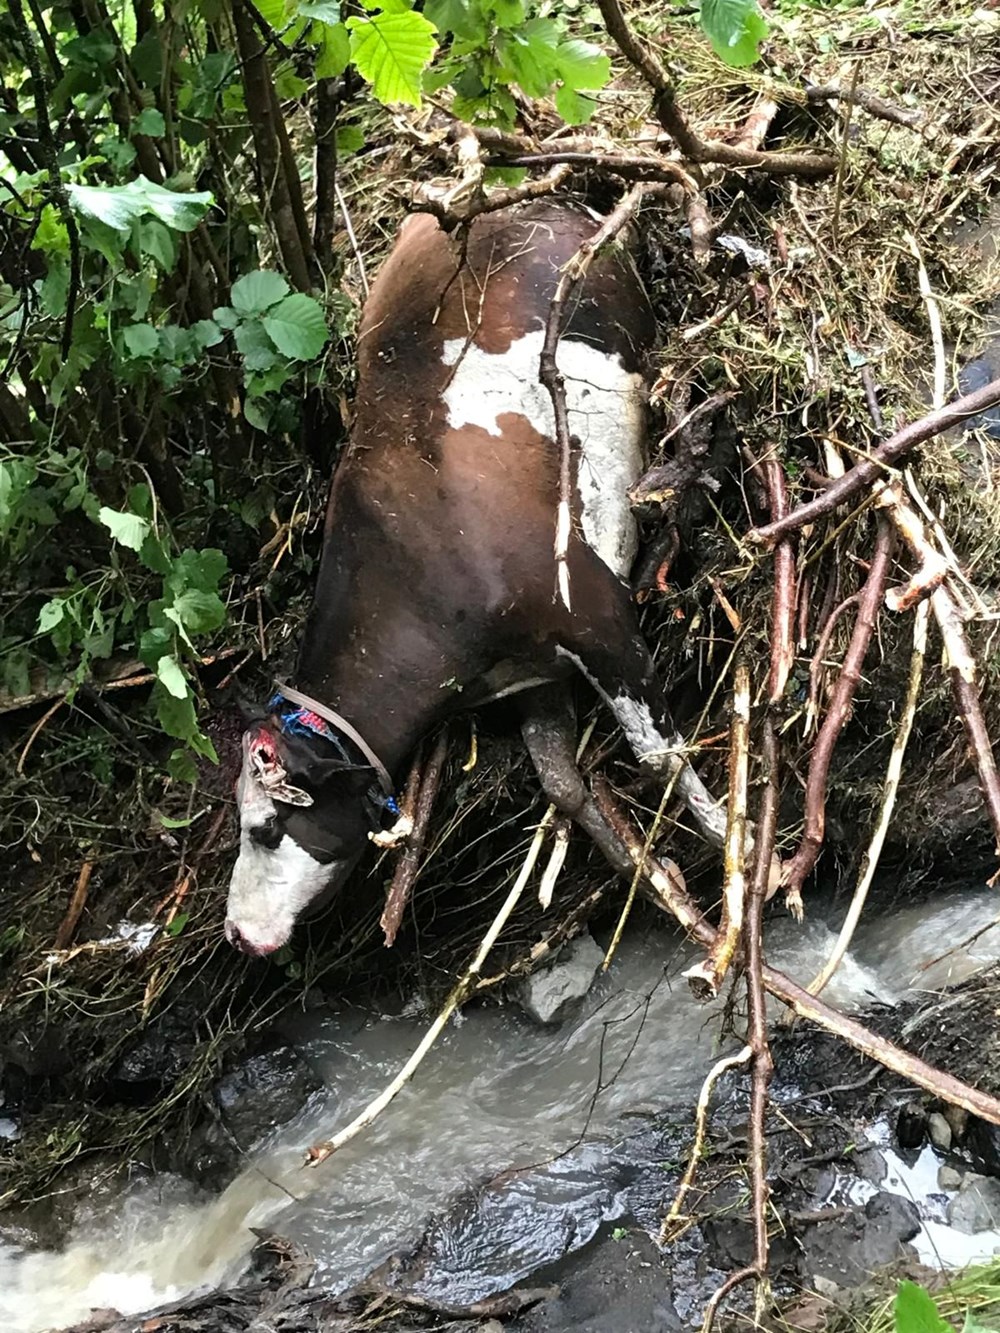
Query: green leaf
[735, 28]
[349, 139]
[256, 292]
[128, 529]
[530, 55]
[174, 927]
[181, 767]
[151, 122]
[204, 570]
[176, 714]
[297, 327]
[324, 11]
[391, 51]
[171, 675]
[142, 340]
[51, 615]
[255, 346]
[156, 240]
[582, 65]
[118, 206]
[915, 1312]
[51, 235]
[575, 108]
[462, 17]
[225, 317]
[508, 13]
[200, 611]
[206, 333]
[334, 51]
[258, 412]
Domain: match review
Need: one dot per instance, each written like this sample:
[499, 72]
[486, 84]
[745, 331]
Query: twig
[867, 100]
[68, 925]
[785, 591]
[838, 194]
[670, 116]
[359, 258]
[557, 858]
[481, 203]
[668, 1227]
[677, 901]
[36, 731]
[572, 276]
[319, 1152]
[796, 870]
[958, 656]
[816, 665]
[871, 469]
[409, 863]
[707, 976]
[630, 166]
[933, 320]
[886, 805]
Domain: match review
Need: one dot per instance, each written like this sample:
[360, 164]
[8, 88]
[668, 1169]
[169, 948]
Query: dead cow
[436, 587]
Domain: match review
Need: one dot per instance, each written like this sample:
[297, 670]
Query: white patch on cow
[605, 403]
[270, 887]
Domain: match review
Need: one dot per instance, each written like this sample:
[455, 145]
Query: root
[409, 863]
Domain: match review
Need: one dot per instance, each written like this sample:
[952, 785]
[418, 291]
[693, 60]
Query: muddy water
[495, 1093]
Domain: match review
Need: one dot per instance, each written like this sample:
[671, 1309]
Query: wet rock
[911, 1125]
[976, 1207]
[824, 1287]
[610, 1285]
[958, 1118]
[268, 1090]
[846, 1250]
[550, 995]
[949, 1179]
[939, 1132]
[982, 1142]
[871, 1165]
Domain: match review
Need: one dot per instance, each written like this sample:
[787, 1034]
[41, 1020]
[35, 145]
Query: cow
[436, 587]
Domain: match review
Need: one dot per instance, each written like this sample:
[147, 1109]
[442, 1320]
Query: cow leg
[548, 726]
[609, 650]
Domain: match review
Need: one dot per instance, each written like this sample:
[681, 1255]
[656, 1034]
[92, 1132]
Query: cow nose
[235, 937]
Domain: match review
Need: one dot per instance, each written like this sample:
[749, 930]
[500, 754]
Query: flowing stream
[496, 1093]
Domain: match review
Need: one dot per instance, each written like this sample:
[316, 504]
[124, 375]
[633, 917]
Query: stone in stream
[949, 1179]
[267, 1090]
[976, 1207]
[548, 996]
[939, 1131]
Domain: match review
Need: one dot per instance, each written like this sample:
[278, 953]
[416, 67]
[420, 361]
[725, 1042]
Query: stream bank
[529, 1159]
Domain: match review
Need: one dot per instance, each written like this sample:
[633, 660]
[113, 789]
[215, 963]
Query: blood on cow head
[303, 824]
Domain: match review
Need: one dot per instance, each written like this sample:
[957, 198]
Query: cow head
[304, 813]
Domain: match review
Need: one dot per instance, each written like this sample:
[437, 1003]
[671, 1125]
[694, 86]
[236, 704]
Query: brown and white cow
[436, 585]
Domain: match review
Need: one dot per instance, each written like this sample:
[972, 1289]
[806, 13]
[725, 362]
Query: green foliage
[391, 50]
[735, 28]
[914, 1311]
[273, 329]
[498, 45]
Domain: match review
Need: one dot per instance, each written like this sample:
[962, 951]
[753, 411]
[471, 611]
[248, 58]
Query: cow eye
[268, 834]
